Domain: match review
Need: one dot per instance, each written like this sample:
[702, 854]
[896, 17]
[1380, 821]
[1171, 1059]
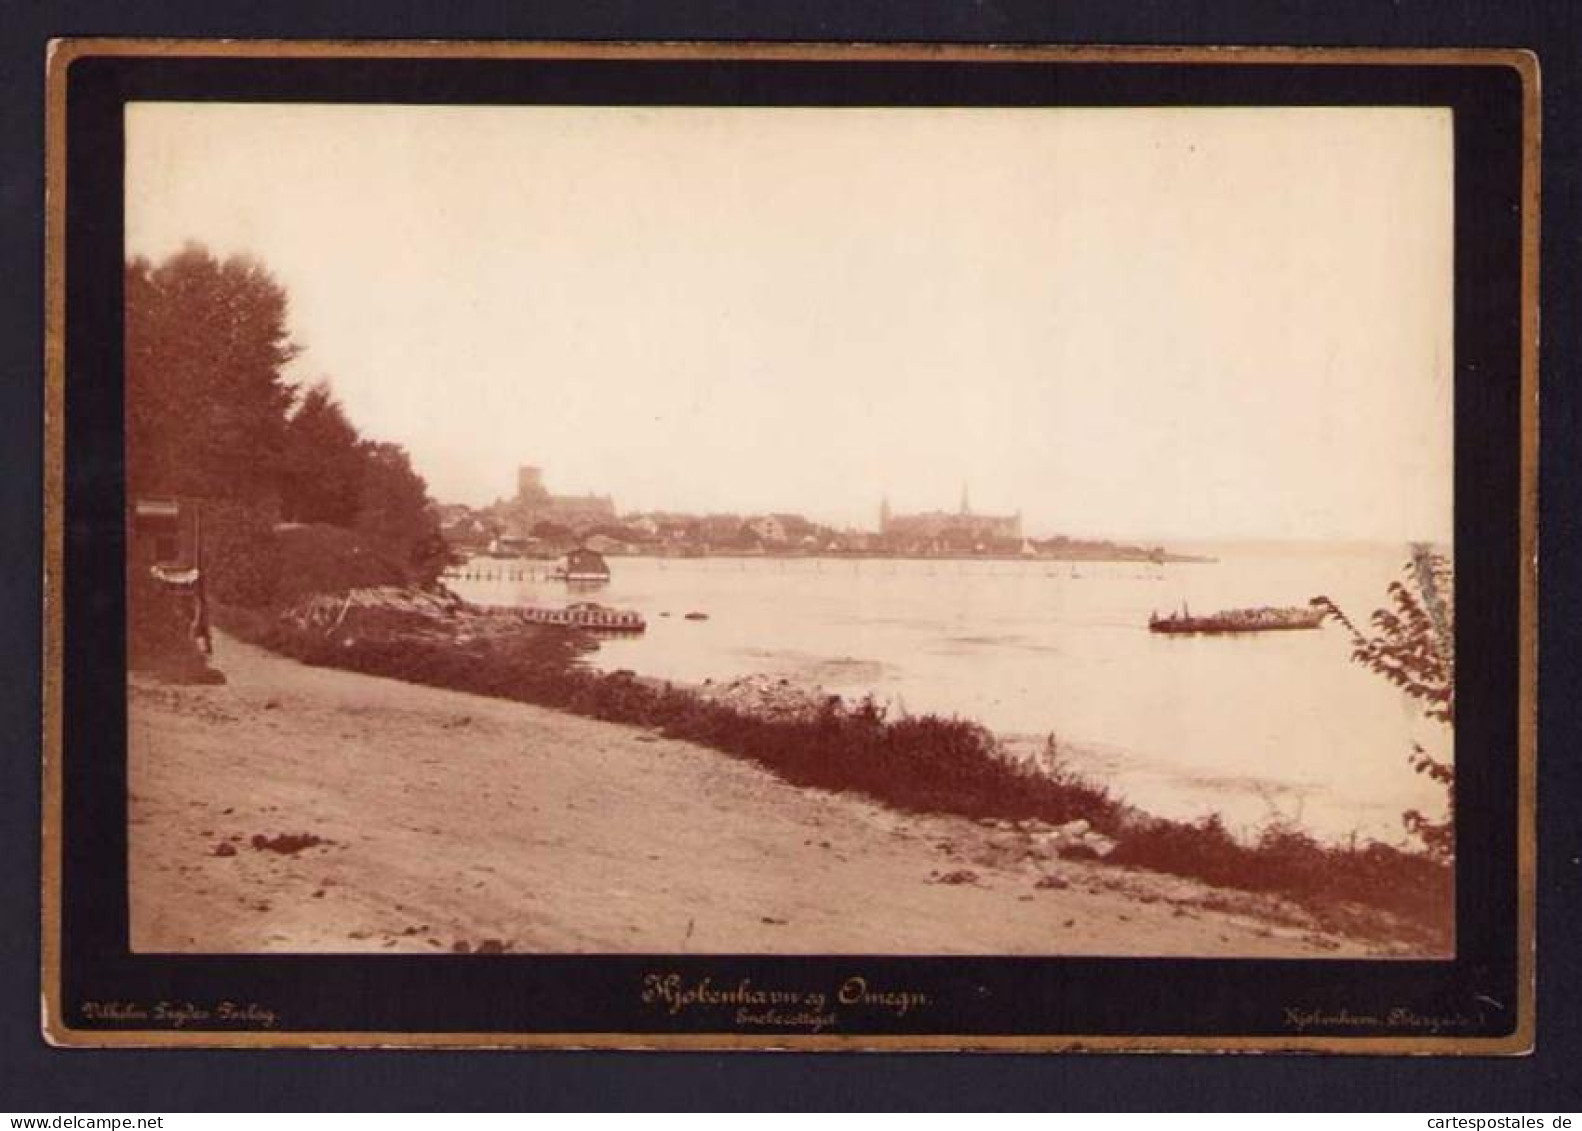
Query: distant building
[719, 529]
[604, 544]
[513, 546]
[767, 528]
[533, 504]
[464, 529]
[798, 528]
[960, 529]
[857, 541]
[584, 566]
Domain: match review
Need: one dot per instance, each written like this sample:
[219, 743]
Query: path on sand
[447, 819]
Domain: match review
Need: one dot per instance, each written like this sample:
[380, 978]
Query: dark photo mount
[99, 992]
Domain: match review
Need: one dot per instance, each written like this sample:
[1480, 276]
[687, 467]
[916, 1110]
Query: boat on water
[1262, 619]
[587, 615]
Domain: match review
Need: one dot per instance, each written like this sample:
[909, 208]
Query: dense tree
[551, 531]
[206, 395]
[212, 416]
[396, 510]
[322, 480]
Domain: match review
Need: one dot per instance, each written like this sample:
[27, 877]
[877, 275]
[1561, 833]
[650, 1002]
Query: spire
[884, 513]
[966, 505]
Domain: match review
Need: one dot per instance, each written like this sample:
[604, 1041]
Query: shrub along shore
[918, 763]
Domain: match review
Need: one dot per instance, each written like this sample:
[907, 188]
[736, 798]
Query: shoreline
[427, 819]
[1168, 558]
[915, 764]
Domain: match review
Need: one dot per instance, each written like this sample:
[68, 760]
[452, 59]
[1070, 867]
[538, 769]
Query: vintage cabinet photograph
[801, 528]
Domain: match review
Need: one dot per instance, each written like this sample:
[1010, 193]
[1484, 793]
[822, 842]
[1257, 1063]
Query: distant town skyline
[533, 501]
[1145, 323]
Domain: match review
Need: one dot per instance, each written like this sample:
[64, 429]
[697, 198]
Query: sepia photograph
[790, 530]
[822, 546]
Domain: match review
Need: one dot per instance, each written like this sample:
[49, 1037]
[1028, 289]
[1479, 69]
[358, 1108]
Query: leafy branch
[1412, 644]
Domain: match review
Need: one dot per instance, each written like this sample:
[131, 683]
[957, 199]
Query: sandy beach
[299, 809]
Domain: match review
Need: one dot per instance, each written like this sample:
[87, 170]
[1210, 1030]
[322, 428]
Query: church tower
[966, 504]
[530, 485]
[884, 515]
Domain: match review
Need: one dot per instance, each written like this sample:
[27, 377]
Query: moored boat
[1262, 619]
[586, 615]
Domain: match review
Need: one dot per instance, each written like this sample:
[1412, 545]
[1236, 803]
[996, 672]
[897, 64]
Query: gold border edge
[1522, 59]
[58, 58]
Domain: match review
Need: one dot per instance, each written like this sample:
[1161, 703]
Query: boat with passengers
[587, 615]
[1265, 618]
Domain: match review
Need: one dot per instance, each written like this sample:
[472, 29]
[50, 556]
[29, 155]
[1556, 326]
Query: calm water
[1257, 727]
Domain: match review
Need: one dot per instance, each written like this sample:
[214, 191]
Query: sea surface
[1275, 726]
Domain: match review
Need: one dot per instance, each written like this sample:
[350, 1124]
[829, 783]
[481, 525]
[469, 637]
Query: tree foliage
[323, 479]
[212, 415]
[206, 393]
[395, 508]
[1412, 643]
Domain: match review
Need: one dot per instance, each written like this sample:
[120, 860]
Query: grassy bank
[920, 763]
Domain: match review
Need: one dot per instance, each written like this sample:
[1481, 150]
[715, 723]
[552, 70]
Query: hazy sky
[1139, 322]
